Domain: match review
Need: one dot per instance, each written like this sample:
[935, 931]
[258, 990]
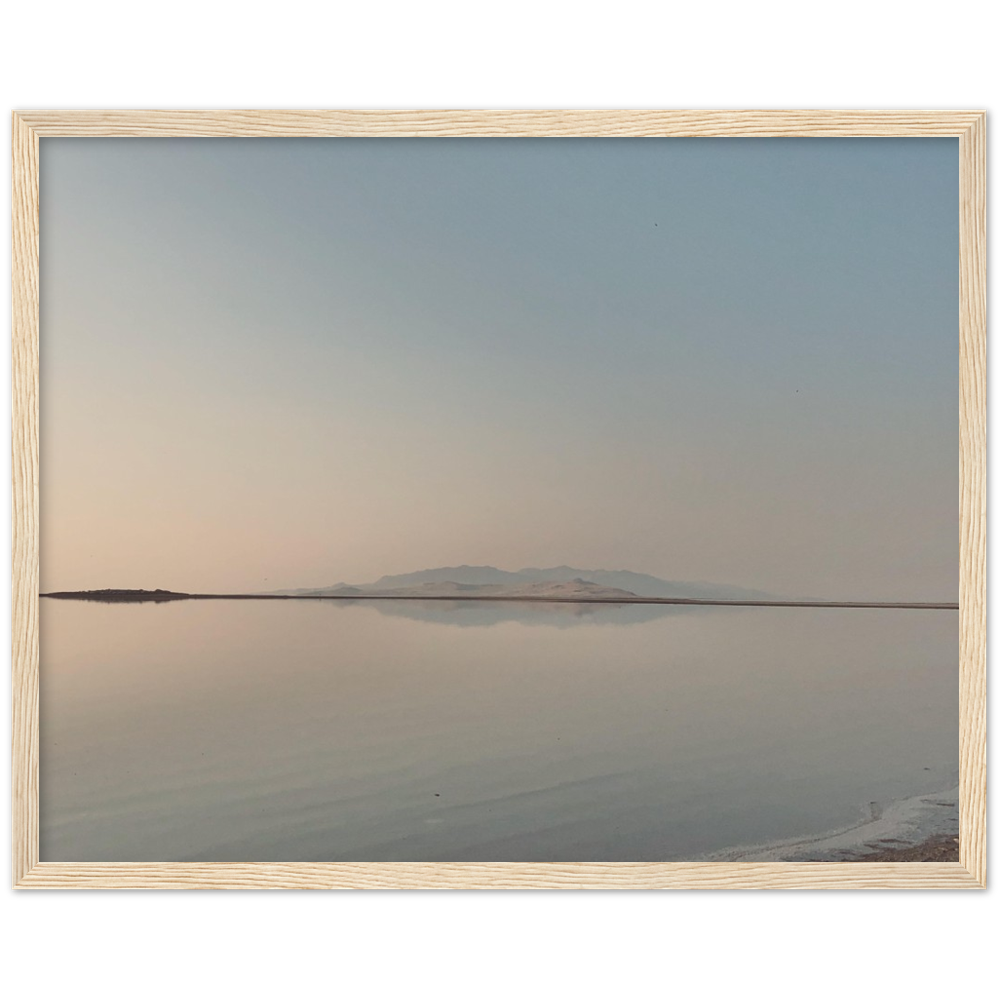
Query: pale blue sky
[274, 362]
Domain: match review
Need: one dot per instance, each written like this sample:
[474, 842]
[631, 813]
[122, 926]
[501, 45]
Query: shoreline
[919, 828]
[938, 848]
[152, 597]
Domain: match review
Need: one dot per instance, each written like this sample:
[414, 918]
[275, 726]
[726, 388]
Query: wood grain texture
[24, 467]
[970, 872]
[397, 875]
[972, 493]
[498, 123]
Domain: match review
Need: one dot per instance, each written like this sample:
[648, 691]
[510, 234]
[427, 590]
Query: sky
[271, 363]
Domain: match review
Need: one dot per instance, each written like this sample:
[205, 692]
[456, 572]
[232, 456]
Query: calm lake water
[324, 731]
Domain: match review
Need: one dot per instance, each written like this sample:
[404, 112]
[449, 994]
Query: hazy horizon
[273, 363]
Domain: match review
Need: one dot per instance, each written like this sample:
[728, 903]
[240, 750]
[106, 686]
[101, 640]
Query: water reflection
[443, 731]
[476, 614]
[467, 613]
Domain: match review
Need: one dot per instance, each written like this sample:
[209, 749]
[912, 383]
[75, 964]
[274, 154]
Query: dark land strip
[127, 596]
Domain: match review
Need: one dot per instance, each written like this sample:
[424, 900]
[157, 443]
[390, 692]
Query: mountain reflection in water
[479, 613]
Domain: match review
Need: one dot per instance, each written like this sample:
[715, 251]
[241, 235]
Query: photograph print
[499, 499]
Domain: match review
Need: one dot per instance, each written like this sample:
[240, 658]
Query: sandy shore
[940, 848]
[920, 828]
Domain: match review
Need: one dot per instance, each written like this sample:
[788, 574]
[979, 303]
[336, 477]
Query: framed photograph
[499, 499]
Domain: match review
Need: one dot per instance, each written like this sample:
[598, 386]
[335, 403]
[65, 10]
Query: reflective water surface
[325, 731]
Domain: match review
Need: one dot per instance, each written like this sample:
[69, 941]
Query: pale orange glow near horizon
[276, 363]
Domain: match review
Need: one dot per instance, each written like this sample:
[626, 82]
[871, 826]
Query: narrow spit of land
[127, 596]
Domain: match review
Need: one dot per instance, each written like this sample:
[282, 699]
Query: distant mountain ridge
[581, 590]
[533, 581]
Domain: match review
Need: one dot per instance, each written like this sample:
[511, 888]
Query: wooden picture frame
[970, 872]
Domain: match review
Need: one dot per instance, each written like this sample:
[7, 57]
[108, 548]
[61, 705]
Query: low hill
[568, 590]
[533, 581]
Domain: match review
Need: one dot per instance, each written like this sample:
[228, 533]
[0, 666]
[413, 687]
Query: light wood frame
[967, 126]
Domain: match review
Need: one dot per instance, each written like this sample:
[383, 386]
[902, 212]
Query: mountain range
[556, 581]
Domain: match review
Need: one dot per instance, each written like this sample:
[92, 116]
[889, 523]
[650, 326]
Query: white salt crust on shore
[903, 823]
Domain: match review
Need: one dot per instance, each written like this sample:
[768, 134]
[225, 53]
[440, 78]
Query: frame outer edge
[972, 479]
[28, 126]
[24, 468]
[504, 875]
[509, 122]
